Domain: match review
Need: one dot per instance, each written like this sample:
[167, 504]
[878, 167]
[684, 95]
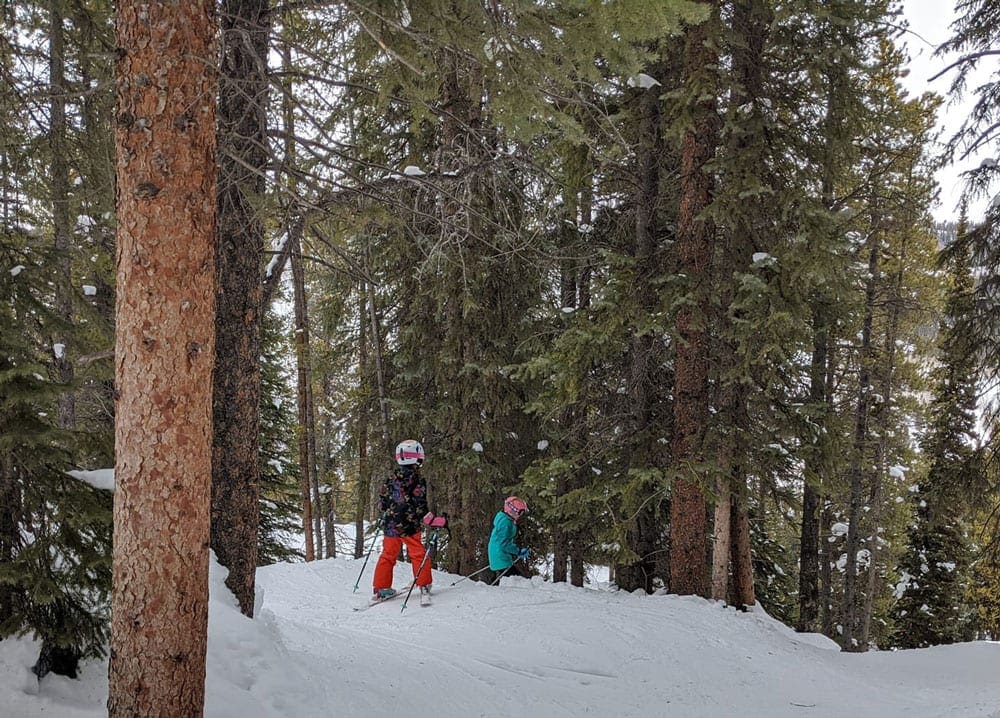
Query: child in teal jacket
[504, 552]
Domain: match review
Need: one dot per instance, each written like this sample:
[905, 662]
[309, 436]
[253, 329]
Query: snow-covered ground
[524, 649]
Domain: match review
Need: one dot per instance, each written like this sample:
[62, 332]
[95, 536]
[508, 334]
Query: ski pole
[429, 553]
[372, 548]
[474, 573]
[497, 579]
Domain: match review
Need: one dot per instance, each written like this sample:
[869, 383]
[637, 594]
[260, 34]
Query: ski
[372, 603]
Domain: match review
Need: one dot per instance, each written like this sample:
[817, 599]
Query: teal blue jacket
[503, 550]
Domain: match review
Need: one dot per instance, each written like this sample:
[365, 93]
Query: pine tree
[55, 531]
[934, 576]
[279, 470]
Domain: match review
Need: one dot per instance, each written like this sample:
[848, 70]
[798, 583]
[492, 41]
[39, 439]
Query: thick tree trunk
[165, 343]
[239, 258]
[689, 571]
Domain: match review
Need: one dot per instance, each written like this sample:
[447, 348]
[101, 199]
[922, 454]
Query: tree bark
[742, 591]
[689, 571]
[165, 341]
[239, 256]
[303, 379]
[883, 428]
[849, 607]
[809, 553]
[363, 488]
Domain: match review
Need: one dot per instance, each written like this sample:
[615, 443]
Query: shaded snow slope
[525, 649]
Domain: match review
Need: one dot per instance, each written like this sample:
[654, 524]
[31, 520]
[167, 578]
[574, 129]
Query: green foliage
[280, 497]
[55, 531]
[935, 582]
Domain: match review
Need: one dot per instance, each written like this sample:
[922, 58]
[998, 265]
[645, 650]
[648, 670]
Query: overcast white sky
[930, 22]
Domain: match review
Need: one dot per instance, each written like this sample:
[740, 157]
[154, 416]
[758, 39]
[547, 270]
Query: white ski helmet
[409, 452]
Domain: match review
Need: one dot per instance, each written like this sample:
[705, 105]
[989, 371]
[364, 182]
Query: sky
[929, 26]
[524, 649]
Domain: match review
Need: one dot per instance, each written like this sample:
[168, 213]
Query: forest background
[668, 271]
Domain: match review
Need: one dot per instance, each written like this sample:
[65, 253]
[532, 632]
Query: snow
[85, 221]
[413, 171]
[477, 447]
[89, 290]
[59, 350]
[527, 649]
[14, 271]
[100, 479]
[643, 81]
[542, 445]
[897, 472]
[279, 248]
[839, 529]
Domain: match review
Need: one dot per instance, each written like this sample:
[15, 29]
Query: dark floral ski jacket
[403, 502]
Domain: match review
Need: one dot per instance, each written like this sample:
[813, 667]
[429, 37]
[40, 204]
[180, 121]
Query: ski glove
[436, 522]
[523, 553]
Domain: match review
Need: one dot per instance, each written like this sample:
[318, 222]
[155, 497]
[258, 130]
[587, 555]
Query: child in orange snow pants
[387, 560]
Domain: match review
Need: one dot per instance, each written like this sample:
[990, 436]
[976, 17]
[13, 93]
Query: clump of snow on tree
[103, 479]
[643, 81]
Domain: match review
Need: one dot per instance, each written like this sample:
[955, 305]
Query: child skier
[403, 501]
[505, 555]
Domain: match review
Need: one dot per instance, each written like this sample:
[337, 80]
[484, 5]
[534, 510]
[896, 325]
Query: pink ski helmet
[409, 452]
[514, 507]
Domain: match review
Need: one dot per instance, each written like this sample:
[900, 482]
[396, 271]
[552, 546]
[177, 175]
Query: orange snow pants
[387, 560]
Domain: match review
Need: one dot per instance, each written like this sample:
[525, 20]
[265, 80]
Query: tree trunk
[883, 423]
[849, 608]
[302, 364]
[743, 591]
[362, 489]
[10, 526]
[825, 570]
[642, 528]
[61, 222]
[721, 534]
[688, 524]
[165, 337]
[239, 256]
[809, 554]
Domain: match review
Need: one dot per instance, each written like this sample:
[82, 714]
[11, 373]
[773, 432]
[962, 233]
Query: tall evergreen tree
[933, 584]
